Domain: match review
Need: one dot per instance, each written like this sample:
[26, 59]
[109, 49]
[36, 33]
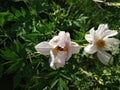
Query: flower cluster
[61, 47]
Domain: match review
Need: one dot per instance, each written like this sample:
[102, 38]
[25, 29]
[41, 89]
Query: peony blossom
[101, 41]
[60, 49]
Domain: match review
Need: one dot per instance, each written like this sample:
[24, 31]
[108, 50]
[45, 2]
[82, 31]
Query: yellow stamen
[57, 49]
[65, 48]
[100, 43]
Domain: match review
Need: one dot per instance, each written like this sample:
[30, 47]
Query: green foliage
[34, 21]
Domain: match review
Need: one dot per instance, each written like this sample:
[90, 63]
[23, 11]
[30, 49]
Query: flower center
[100, 43]
[58, 48]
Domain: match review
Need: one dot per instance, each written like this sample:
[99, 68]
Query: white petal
[91, 49]
[62, 39]
[111, 43]
[67, 34]
[89, 38]
[92, 31]
[43, 48]
[60, 59]
[54, 41]
[105, 58]
[52, 60]
[75, 47]
[72, 48]
[62, 55]
[69, 51]
[101, 29]
[58, 65]
[109, 33]
[68, 39]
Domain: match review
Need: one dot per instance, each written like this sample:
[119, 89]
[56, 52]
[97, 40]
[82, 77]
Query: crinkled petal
[91, 49]
[62, 55]
[62, 39]
[59, 60]
[54, 41]
[105, 58]
[89, 38]
[101, 29]
[72, 48]
[111, 43]
[69, 54]
[69, 51]
[68, 39]
[92, 31]
[109, 33]
[43, 48]
[52, 60]
[75, 47]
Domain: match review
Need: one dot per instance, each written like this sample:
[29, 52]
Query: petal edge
[43, 48]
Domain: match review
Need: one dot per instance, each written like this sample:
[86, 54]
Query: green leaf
[16, 12]
[5, 16]
[19, 49]
[8, 54]
[52, 74]
[32, 36]
[66, 77]
[62, 85]
[14, 66]
[53, 83]
[24, 12]
[33, 11]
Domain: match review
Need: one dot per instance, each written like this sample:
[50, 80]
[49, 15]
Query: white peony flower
[60, 49]
[100, 41]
